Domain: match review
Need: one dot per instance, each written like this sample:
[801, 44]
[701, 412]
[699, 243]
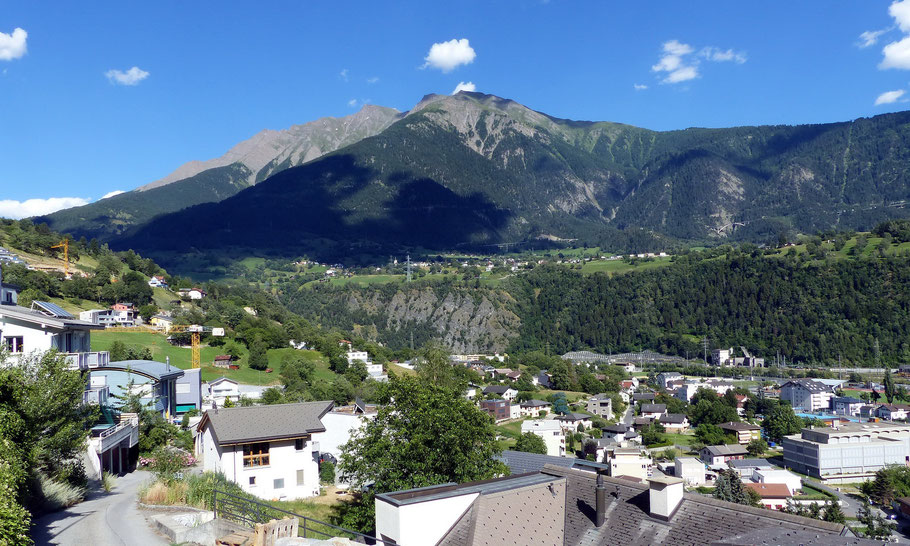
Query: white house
[192, 293]
[44, 327]
[601, 405]
[9, 293]
[690, 470]
[654, 411]
[157, 281]
[792, 481]
[718, 456]
[340, 423]
[269, 451]
[630, 461]
[892, 412]
[532, 408]
[551, 432]
[502, 391]
[807, 394]
[223, 389]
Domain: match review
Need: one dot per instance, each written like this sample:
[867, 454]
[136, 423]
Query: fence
[248, 512]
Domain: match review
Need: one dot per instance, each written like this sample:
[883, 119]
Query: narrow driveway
[103, 519]
[628, 416]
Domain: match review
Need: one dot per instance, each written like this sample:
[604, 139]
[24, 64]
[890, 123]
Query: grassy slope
[181, 356]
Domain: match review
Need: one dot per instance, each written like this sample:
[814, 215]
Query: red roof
[770, 490]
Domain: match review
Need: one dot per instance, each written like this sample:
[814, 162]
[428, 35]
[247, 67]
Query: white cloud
[897, 55]
[131, 77]
[343, 74]
[870, 37]
[12, 46]
[674, 62]
[639, 86]
[720, 55]
[464, 86]
[447, 56]
[10, 208]
[889, 97]
[374, 79]
[352, 103]
[900, 11]
[112, 193]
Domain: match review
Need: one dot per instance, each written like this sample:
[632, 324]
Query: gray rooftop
[263, 423]
[520, 462]
[446, 490]
[723, 450]
[149, 368]
[749, 463]
[791, 537]
[534, 404]
[45, 318]
[653, 408]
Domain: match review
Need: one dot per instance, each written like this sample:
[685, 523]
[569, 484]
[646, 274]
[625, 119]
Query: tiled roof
[574, 417]
[770, 490]
[653, 408]
[521, 463]
[698, 520]
[789, 537]
[737, 427]
[673, 418]
[263, 423]
[534, 404]
[726, 450]
[749, 463]
[496, 389]
[643, 396]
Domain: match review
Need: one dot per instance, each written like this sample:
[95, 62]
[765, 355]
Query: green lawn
[511, 429]
[614, 267]
[811, 493]
[680, 439]
[181, 356]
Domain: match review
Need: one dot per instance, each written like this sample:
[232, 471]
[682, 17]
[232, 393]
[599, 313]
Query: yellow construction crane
[196, 332]
[65, 245]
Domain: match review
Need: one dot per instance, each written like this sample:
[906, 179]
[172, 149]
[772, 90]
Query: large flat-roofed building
[849, 452]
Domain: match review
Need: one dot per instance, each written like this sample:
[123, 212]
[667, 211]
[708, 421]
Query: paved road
[628, 416]
[104, 519]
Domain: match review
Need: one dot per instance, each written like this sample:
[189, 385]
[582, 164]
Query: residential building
[643, 397]
[641, 422]
[162, 322]
[654, 411]
[269, 451]
[718, 456]
[192, 293]
[575, 506]
[686, 391]
[601, 405]
[498, 409]
[675, 422]
[615, 431]
[722, 358]
[551, 432]
[892, 412]
[744, 432]
[157, 281]
[223, 389]
[664, 377]
[849, 453]
[340, 423]
[112, 442]
[503, 391]
[9, 293]
[154, 382]
[188, 390]
[690, 470]
[224, 361]
[520, 462]
[354, 356]
[773, 495]
[571, 421]
[123, 314]
[745, 467]
[807, 394]
[770, 475]
[532, 408]
[847, 405]
[628, 385]
[45, 326]
[633, 462]
[377, 373]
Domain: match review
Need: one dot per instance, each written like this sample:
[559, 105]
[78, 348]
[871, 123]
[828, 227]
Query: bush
[327, 472]
[56, 495]
[107, 481]
[167, 463]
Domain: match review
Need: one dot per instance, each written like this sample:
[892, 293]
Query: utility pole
[878, 354]
[409, 268]
[704, 343]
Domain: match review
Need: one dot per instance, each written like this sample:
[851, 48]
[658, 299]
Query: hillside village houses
[744, 432]
[807, 394]
[532, 408]
[374, 371]
[157, 281]
[552, 433]
[601, 405]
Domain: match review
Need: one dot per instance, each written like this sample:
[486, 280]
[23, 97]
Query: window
[14, 344]
[299, 443]
[252, 480]
[278, 484]
[183, 388]
[256, 454]
[300, 477]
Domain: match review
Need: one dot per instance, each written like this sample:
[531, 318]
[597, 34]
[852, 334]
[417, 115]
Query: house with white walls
[340, 423]
[552, 433]
[269, 451]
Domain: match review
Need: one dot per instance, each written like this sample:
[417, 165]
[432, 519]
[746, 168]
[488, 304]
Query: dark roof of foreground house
[243, 425]
[526, 512]
[789, 537]
[737, 426]
[496, 389]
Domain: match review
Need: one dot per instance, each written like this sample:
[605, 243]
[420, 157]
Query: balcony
[126, 428]
[96, 395]
[87, 361]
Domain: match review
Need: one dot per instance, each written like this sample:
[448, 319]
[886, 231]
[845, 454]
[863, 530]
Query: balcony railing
[87, 361]
[96, 395]
[128, 427]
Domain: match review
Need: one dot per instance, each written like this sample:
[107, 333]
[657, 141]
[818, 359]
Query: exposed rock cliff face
[465, 321]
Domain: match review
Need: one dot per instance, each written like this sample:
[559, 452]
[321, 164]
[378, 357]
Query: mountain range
[476, 171]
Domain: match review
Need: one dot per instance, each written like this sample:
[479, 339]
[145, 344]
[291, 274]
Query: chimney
[666, 494]
[601, 494]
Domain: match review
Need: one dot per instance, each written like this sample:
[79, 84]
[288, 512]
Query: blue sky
[77, 120]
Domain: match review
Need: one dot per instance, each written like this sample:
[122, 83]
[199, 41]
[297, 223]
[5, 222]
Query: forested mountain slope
[473, 170]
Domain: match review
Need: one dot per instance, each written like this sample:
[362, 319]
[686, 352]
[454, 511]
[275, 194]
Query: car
[327, 458]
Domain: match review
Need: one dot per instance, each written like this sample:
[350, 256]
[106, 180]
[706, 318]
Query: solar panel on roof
[52, 309]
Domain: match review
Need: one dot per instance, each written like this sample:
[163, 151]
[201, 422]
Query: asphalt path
[103, 519]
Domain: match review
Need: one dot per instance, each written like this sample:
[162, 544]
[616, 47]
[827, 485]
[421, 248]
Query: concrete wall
[420, 523]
